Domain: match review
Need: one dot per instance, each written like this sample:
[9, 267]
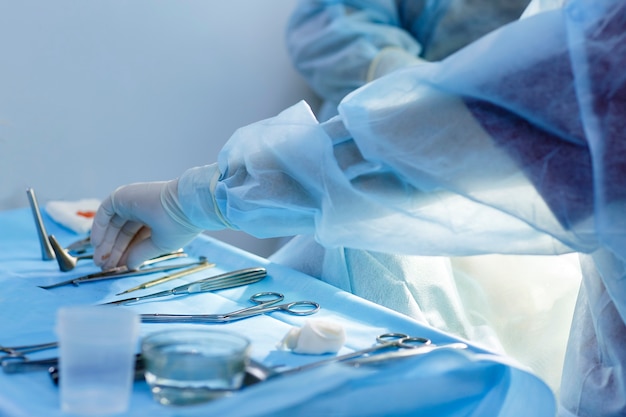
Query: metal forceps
[232, 279]
[21, 351]
[265, 302]
[15, 357]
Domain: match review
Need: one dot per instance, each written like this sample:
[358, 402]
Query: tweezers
[122, 272]
[219, 282]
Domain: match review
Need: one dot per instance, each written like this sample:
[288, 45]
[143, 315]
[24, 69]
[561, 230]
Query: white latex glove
[138, 222]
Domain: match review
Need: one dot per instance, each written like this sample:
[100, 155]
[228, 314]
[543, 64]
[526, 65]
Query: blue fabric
[333, 44]
[445, 383]
[514, 144]
[339, 46]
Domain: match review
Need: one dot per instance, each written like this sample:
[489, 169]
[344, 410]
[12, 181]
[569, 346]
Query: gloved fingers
[118, 220]
[142, 234]
[106, 227]
[130, 232]
[140, 221]
[139, 251]
[118, 238]
[101, 222]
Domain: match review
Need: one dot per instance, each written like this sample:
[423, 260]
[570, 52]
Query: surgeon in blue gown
[339, 46]
[513, 144]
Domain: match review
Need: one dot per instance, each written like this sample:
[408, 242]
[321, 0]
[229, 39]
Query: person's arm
[425, 162]
[340, 46]
[483, 152]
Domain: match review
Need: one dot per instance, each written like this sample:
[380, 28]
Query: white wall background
[99, 93]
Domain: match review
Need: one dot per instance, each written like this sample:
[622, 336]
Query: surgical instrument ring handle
[402, 340]
[302, 308]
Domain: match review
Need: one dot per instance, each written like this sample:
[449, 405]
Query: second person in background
[339, 46]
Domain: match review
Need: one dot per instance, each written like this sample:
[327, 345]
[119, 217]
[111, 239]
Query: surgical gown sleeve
[425, 161]
[524, 152]
[338, 46]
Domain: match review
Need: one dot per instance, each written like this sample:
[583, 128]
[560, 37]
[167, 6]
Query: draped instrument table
[443, 383]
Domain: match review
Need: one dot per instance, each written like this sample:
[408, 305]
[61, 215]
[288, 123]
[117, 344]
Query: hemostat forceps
[21, 351]
[265, 303]
[15, 357]
[219, 282]
[124, 272]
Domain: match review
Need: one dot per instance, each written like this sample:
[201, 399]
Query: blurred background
[101, 93]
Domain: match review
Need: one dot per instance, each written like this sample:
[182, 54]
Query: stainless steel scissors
[265, 302]
[403, 344]
[384, 341]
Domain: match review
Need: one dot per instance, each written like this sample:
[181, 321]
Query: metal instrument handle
[47, 254]
[22, 365]
[223, 281]
[404, 353]
[402, 340]
[300, 308]
[28, 348]
[201, 265]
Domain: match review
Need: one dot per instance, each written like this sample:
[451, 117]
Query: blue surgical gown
[339, 46]
[514, 144]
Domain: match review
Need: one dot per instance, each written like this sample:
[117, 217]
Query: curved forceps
[265, 302]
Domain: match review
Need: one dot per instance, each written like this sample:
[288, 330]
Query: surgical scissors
[384, 341]
[265, 302]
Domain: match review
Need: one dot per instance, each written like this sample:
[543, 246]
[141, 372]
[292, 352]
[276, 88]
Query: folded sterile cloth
[75, 215]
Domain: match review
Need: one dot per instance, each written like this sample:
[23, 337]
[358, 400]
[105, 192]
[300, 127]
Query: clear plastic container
[97, 347]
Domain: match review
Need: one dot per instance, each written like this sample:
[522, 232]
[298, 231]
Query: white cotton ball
[291, 339]
[315, 337]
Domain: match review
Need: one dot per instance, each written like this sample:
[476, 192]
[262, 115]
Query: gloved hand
[389, 60]
[138, 222]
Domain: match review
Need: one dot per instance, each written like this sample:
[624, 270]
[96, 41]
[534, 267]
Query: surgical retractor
[66, 261]
[47, 253]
